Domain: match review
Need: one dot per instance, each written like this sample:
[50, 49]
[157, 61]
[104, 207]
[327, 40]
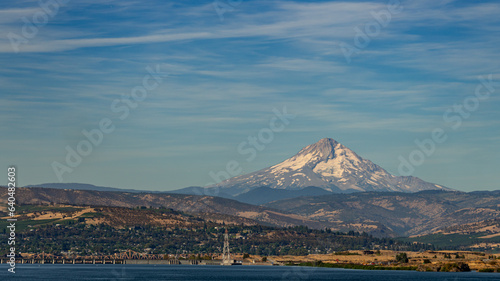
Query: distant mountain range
[84, 186]
[322, 168]
[257, 196]
[263, 195]
[328, 165]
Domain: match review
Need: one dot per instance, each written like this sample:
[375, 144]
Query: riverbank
[437, 261]
[355, 266]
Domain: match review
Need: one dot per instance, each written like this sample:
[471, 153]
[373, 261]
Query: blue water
[216, 273]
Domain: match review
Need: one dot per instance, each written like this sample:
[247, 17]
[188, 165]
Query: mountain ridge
[327, 164]
[377, 213]
[178, 202]
[86, 186]
[405, 213]
[264, 194]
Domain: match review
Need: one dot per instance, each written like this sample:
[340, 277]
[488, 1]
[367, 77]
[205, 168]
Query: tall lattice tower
[226, 256]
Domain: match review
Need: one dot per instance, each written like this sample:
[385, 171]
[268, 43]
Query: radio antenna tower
[226, 256]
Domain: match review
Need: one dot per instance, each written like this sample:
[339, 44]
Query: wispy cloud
[225, 78]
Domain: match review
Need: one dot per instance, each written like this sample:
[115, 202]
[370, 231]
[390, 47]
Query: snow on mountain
[329, 165]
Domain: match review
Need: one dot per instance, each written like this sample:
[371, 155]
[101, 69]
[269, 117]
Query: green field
[91, 215]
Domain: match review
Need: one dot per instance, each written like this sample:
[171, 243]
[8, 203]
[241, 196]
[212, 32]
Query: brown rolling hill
[202, 205]
[377, 213]
[404, 213]
[490, 228]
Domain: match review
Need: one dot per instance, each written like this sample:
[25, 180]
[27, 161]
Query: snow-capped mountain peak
[327, 164]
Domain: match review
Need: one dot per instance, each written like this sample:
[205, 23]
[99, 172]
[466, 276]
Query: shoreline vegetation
[449, 267]
[428, 261]
[353, 266]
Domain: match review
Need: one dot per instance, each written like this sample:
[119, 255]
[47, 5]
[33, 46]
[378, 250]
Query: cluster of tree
[85, 239]
[457, 256]
[402, 258]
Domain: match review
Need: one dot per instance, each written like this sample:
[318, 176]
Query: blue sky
[228, 71]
